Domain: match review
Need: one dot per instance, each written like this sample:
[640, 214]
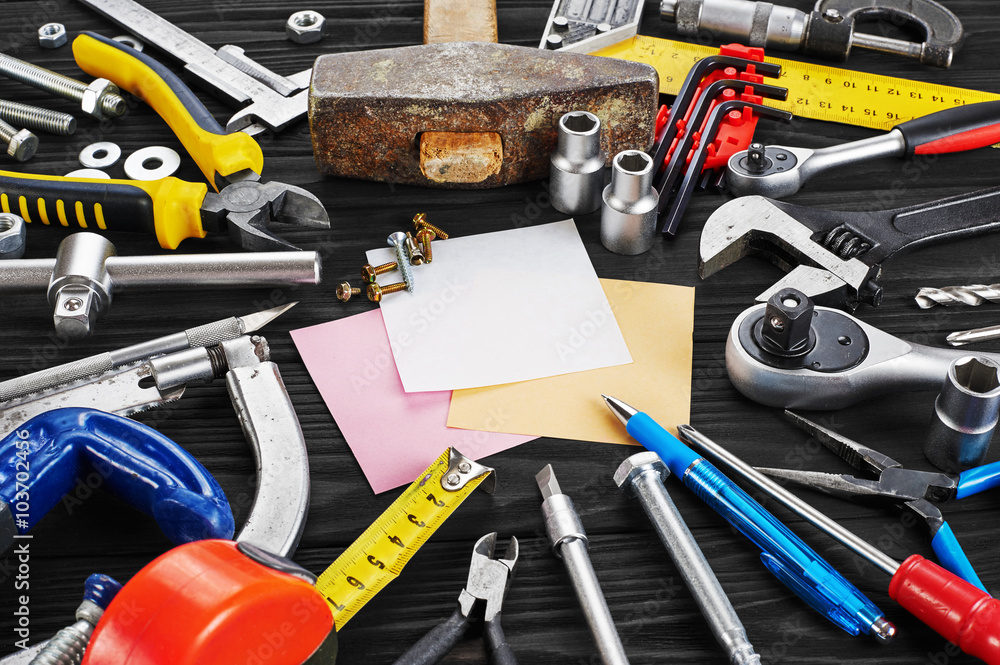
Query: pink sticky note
[394, 435]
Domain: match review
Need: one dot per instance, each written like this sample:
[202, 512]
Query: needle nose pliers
[916, 491]
[171, 208]
[489, 581]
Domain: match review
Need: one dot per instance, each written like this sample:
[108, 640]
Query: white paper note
[498, 308]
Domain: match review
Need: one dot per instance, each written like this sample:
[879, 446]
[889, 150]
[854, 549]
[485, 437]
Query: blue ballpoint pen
[789, 559]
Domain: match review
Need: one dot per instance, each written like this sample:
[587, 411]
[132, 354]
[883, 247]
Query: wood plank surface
[656, 615]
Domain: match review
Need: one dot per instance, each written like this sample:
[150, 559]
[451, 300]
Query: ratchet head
[773, 171]
[247, 208]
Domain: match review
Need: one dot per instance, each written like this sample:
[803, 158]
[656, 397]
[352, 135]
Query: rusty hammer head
[792, 238]
[368, 109]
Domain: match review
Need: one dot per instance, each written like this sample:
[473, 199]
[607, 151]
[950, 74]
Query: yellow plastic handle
[217, 153]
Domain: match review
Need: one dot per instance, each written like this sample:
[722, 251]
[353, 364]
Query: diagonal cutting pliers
[916, 491]
[171, 208]
[483, 596]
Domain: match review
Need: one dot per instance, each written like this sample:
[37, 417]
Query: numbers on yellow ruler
[379, 554]
[814, 91]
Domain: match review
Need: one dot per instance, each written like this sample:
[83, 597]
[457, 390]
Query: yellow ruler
[378, 556]
[814, 91]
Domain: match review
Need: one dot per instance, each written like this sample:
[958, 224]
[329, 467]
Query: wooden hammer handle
[460, 21]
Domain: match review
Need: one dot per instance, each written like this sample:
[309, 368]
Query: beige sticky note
[657, 322]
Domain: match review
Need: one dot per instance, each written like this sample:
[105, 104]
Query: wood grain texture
[460, 21]
[657, 618]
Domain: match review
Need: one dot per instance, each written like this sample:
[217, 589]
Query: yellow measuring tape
[378, 556]
[814, 91]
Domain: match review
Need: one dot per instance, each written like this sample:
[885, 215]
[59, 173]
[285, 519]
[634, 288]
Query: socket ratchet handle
[889, 365]
[783, 170]
[43, 459]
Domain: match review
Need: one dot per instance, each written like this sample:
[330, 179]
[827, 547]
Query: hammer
[462, 111]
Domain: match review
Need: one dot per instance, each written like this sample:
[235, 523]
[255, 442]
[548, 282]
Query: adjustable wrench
[791, 355]
[829, 31]
[836, 257]
[267, 100]
[779, 171]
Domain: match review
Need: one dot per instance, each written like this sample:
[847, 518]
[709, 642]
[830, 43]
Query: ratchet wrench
[778, 171]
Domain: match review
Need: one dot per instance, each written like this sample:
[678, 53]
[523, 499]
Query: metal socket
[628, 218]
[576, 175]
[965, 415]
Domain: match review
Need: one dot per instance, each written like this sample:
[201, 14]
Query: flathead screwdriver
[961, 613]
[569, 543]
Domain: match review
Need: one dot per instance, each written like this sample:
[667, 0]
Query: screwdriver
[782, 552]
[959, 612]
[209, 334]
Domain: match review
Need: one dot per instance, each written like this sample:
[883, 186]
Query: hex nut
[13, 236]
[92, 102]
[52, 35]
[305, 27]
[22, 145]
[635, 466]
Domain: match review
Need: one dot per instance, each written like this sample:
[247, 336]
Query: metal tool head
[583, 27]
[773, 171]
[758, 226]
[639, 465]
[246, 210]
[942, 31]
[489, 577]
[368, 109]
[857, 455]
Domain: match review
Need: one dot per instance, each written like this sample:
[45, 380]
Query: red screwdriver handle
[961, 613]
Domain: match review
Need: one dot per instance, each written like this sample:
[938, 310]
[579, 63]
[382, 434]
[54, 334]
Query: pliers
[171, 208]
[916, 491]
[489, 581]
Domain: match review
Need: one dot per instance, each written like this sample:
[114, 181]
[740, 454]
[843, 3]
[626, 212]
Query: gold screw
[424, 237]
[344, 292]
[375, 292]
[370, 272]
[413, 249]
[420, 222]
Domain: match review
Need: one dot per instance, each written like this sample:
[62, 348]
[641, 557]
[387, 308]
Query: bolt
[21, 144]
[453, 479]
[36, 117]
[833, 15]
[344, 292]
[370, 272]
[99, 99]
[465, 467]
[375, 292]
[424, 237]
[398, 241]
[420, 222]
[413, 251]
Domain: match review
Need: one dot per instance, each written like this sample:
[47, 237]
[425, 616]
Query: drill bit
[964, 337]
[972, 295]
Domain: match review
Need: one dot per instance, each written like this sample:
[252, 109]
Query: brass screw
[344, 292]
[414, 251]
[424, 237]
[420, 222]
[375, 292]
[370, 272]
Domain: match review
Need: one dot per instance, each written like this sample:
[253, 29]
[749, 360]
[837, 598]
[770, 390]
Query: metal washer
[93, 174]
[169, 163]
[89, 155]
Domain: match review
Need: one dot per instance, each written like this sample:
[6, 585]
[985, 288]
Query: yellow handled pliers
[171, 208]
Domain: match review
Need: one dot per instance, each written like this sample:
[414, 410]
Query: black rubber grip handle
[436, 644]
[95, 206]
[496, 640]
[953, 130]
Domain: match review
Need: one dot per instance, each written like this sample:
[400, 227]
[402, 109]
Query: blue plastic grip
[675, 454]
[793, 562]
[101, 589]
[977, 480]
[44, 458]
[952, 556]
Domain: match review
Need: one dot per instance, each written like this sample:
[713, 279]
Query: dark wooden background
[656, 616]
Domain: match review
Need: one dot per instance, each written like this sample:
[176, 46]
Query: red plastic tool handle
[953, 130]
[956, 610]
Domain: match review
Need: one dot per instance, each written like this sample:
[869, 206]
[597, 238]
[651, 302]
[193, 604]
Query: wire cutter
[489, 581]
[916, 491]
[171, 208]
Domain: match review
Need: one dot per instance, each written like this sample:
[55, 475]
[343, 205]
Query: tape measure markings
[818, 92]
[387, 545]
